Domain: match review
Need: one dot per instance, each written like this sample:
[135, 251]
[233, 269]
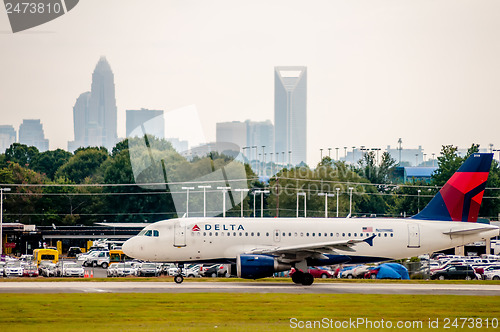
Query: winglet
[369, 240]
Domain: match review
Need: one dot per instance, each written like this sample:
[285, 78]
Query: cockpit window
[156, 233]
[141, 233]
[148, 233]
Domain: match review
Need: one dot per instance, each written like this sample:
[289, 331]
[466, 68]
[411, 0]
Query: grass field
[238, 312]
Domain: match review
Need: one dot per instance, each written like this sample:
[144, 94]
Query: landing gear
[300, 277]
[297, 277]
[179, 278]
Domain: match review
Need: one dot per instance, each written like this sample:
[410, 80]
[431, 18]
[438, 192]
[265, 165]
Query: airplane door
[276, 235]
[179, 234]
[413, 236]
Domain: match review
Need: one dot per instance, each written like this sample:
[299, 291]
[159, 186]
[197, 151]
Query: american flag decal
[367, 229]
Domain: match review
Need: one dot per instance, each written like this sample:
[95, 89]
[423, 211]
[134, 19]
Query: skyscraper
[31, 134]
[94, 113]
[290, 112]
[136, 118]
[7, 137]
[232, 132]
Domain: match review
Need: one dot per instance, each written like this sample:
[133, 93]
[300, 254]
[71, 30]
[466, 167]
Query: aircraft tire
[298, 277]
[307, 279]
[178, 279]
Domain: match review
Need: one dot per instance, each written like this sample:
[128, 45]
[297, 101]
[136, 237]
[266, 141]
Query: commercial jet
[259, 247]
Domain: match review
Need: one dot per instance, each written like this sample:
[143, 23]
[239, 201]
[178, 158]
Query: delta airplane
[259, 247]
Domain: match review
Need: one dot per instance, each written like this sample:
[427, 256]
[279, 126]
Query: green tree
[83, 164]
[21, 154]
[48, 162]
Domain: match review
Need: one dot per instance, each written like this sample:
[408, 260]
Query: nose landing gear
[179, 278]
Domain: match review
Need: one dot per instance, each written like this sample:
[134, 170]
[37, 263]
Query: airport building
[290, 112]
[31, 134]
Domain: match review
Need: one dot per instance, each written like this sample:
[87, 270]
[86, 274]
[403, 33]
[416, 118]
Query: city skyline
[377, 70]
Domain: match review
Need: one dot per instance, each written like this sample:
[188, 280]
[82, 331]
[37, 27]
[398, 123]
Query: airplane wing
[316, 250]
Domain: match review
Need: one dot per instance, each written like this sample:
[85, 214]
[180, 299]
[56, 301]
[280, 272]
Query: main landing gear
[300, 277]
[179, 278]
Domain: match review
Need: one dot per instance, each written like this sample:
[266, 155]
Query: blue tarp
[392, 271]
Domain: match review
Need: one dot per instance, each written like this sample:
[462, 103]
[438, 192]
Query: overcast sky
[427, 71]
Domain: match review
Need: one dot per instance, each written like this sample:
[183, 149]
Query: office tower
[232, 132]
[31, 134]
[260, 133]
[94, 113]
[7, 137]
[152, 120]
[290, 112]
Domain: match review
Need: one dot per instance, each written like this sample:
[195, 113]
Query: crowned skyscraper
[94, 113]
[290, 112]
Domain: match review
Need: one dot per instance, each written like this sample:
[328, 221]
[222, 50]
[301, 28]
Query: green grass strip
[235, 311]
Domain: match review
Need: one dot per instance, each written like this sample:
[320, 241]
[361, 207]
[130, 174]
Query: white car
[124, 270]
[492, 273]
[13, 269]
[72, 270]
[96, 258]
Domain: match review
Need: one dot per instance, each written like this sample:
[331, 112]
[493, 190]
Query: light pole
[244, 148]
[345, 153]
[329, 153]
[320, 154]
[1, 218]
[204, 199]
[305, 208]
[337, 154]
[353, 148]
[224, 191]
[337, 189]
[497, 150]
[433, 159]
[326, 201]
[271, 161]
[418, 200]
[350, 201]
[261, 192]
[377, 150]
[187, 199]
[241, 201]
[289, 159]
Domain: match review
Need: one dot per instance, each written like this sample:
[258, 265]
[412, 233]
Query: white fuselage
[219, 239]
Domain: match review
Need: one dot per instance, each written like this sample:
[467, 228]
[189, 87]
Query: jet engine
[258, 266]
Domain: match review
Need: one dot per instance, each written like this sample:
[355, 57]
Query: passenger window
[326, 234]
[284, 234]
[141, 233]
[301, 234]
[241, 234]
[343, 234]
[228, 233]
[355, 234]
[337, 234]
[251, 234]
[234, 234]
[258, 234]
[295, 234]
[216, 233]
[267, 234]
[349, 234]
[204, 233]
[385, 234]
[289, 234]
[307, 234]
[246, 233]
[210, 234]
[319, 234]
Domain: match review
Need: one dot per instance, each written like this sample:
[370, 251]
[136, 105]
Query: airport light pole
[242, 190]
[350, 201]
[326, 201]
[353, 148]
[187, 199]
[433, 159]
[345, 153]
[418, 200]
[1, 218]
[289, 159]
[337, 154]
[305, 209]
[337, 189]
[329, 153]
[244, 148]
[224, 191]
[261, 192]
[320, 154]
[204, 199]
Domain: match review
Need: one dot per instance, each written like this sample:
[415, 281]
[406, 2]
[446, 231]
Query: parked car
[97, 258]
[147, 269]
[13, 269]
[2, 264]
[111, 271]
[455, 272]
[74, 251]
[316, 272]
[191, 271]
[210, 270]
[72, 270]
[47, 269]
[492, 273]
[124, 270]
[30, 270]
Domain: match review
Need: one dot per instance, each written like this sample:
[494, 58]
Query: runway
[248, 287]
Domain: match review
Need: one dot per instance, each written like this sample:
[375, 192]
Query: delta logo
[219, 227]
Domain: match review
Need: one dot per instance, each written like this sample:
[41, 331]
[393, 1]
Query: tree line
[96, 185]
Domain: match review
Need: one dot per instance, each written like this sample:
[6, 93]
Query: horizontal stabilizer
[470, 231]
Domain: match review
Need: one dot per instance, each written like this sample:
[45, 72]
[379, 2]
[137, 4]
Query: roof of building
[419, 172]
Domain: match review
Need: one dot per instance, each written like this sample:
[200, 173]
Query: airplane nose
[127, 248]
